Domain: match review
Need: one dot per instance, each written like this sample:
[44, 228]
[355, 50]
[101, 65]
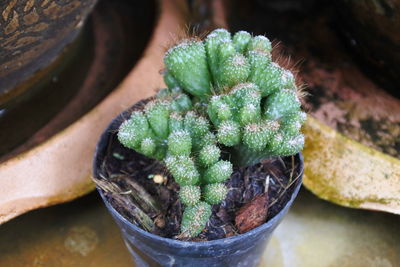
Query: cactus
[183, 140]
[223, 93]
[254, 107]
[194, 219]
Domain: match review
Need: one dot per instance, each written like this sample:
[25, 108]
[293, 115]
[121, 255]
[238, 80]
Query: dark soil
[120, 167]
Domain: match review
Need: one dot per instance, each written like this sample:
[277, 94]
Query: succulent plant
[224, 93]
[183, 140]
[251, 101]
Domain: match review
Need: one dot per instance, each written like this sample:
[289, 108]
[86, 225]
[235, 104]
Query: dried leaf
[253, 214]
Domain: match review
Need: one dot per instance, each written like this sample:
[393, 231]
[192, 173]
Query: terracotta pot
[32, 34]
[351, 153]
[372, 30]
[58, 169]
[79, 78]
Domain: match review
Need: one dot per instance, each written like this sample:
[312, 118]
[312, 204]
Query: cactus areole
[225, 94]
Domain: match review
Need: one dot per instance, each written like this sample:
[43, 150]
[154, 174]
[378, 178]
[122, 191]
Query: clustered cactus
[224, 93]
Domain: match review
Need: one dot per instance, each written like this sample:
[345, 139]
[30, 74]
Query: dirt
[274, 178]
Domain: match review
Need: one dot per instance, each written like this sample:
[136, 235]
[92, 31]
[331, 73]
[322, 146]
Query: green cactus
[255, 109]
[179, 143]
[185, 143]
[209, 155]
[195, 218]
[215, 193]
[241, 40]
[218, 172]
[190, 67]
[229, 133]
[224, 93]
[190, 194]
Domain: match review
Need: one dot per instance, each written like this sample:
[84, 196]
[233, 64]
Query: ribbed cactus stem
[229, 133]
[218, 172]
[209, 155]
[180, 143]
[214, 193]
[281, 103]
[195, 218]
[225, 51]
[181, 103]
[190, 194]
[183, 169]
[207, 139]
[175, 122]
[133, 131]
[257, 135]
[241, 40]
[249, 113]
[233, 70]
[259, 43]
[187, 63]
[148, 146]
[170, 81]
[157, 113]
[212, 43]
[268, 79]
[243, 156]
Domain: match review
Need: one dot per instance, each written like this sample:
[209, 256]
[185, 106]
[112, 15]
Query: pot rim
[232, 239]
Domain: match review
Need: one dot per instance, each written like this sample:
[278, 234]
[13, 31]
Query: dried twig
[291, 182]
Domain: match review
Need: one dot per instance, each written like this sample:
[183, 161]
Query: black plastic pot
[151, 250]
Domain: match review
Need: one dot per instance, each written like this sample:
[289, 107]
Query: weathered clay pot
[32, 35]
[59, 169]
[372, 30]
[78, 78]
[351, 153]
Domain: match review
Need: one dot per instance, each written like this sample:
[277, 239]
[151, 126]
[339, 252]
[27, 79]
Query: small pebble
[159, 179]
[160, 222]
[118, 156]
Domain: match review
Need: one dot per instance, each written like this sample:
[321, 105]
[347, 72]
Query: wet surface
[314, 233]
[80, 233]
